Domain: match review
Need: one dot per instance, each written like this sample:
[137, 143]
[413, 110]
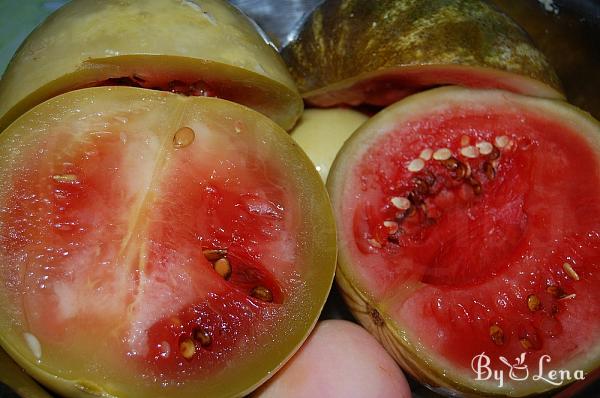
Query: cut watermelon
[186, 46]
[376, 52]
[469, 224]
[157, 245]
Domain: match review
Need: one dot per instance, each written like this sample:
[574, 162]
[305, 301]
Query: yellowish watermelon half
[376, 52]
[469, 239]
[200, 48]
[156, 245]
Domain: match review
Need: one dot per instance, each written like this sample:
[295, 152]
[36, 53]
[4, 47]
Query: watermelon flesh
[473, 227]
[383, 88]
[118, 206]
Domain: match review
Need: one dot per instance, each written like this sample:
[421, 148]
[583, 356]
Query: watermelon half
[469, 228]
[376, 52]
[153, 244]
[205, 48]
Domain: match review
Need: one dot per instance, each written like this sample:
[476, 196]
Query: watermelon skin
[135, 206]
[14, 378]
[352, 51]
[377, 289]
[159, 41]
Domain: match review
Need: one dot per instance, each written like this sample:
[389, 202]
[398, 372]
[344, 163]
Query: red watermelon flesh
[470, 223]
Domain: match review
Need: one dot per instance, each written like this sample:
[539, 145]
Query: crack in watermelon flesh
[189, 87]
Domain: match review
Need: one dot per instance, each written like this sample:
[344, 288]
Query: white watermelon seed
[442, 154]
[400, 202]
[34, 345]
[469, 151]
[374, 243]
[426, 154]
[485, 148]
[416, 165]
[501, 141]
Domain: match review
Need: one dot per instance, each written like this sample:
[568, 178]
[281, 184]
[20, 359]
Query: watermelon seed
[569, 296]
[501, 141]
[408, 212]
[223, 268]
[554, 291]
[459, 169]
[462, 171]
[214, 254]
[374, 243]
[415, 198]
[400, 202]
[485, 148]
[426, 154]
[497, 334]
[442, 154]
[34, 345]
[68, 178]
[495, 154]
[421, 186]
[183, 137]
[451, 163]
[570, 271]
[187, 348]
[468, 169]
[475, 184]
[392, 226]
[202, 336]
[262, 293]
[533, 302]
[470, 151]
[526, 343]
[416, 165]
[489, 170]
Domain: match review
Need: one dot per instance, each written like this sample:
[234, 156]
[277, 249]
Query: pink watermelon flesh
[479, 252]
[105, 225]
[91, 206]
[385, 88]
